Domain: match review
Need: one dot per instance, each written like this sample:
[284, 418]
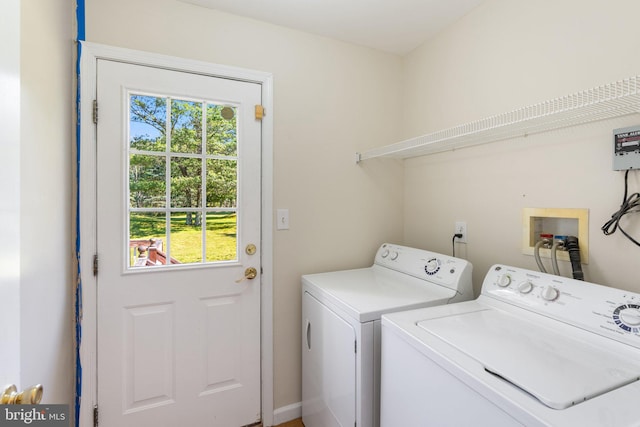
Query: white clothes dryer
[341, 327]
[532, 350]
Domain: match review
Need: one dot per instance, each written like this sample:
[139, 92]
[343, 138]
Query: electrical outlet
[461, 228]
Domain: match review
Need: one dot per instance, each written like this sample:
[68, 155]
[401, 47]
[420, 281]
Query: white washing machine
[341, 327]
[532, 350]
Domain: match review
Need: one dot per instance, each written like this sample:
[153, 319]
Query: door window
[182, 181]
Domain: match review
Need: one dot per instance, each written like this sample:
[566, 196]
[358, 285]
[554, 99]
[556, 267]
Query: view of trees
[197, 149]
[147, 183]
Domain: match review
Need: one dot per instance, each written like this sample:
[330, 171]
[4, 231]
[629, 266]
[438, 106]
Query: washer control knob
[525, 287]
[504, 280]
[385, 253]
[549, 293]
[432, 266]
[630, 316]
[394, 255]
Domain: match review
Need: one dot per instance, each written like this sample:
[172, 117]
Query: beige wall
[46, 141]
[40, 184]
[504, 55]
[331, 99]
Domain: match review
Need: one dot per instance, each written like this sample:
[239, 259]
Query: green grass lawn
[186, 240]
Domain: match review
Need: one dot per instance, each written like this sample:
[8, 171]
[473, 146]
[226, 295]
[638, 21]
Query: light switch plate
[282, 219]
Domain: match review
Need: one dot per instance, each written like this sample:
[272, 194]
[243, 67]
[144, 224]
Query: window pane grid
[174, 210]
[199, 153]
[167, 175]
[203, 177]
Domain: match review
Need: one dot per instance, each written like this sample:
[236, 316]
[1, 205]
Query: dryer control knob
[549, 293]
[432, 266]
[630, 316]
[394, 255]
[385, 253]
[504, 281]
[525, 287]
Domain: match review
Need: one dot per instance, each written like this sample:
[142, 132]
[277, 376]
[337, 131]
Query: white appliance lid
[556, 368]
[367, 293]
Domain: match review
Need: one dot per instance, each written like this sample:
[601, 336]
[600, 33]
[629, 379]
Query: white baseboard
[287, 413]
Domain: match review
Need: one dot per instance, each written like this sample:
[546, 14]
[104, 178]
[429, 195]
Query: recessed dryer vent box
[626, 148]
[557, 222]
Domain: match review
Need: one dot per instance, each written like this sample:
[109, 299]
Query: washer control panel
[433, 267]
[610, 312]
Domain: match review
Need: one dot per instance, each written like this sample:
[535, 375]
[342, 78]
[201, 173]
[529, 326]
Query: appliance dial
[627, 317]
[432, 266]
[631, 316]
[504, 280]
[394, 255]
[549, 293]
[385, 253]
[525, 287]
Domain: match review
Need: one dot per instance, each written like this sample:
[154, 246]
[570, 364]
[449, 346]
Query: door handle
[250, 273]
[308, 334]
[29, 396]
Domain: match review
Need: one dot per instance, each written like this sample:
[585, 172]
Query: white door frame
[90, 53]
[10, 372]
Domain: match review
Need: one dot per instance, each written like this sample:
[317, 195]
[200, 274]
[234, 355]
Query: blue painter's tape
[78, 294]
[80, 19]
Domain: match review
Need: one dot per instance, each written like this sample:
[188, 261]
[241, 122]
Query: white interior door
[178, 224]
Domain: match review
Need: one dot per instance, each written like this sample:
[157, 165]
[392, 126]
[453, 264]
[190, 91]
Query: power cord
[453, 242]
[630, 205]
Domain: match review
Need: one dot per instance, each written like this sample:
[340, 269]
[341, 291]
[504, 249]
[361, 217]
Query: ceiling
[395, 26]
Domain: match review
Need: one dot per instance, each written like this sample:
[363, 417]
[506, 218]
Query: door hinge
[95, 265]
[95, 111]
[95, 416]
[259, 112]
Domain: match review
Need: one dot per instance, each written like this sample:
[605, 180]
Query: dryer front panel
[328, 367]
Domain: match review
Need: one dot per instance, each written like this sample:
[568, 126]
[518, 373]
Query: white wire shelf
[604, 102]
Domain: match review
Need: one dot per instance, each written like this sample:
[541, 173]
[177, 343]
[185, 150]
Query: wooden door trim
[86, 210]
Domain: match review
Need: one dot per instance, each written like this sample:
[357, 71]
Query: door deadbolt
[250, 249]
